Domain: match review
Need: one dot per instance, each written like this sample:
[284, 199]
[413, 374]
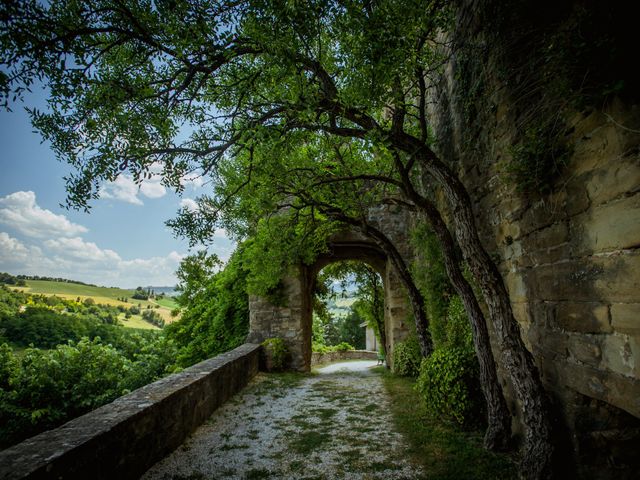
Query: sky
[121, 242]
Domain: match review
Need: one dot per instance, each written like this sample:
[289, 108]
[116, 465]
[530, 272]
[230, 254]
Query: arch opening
[348, 308]
[293, 321]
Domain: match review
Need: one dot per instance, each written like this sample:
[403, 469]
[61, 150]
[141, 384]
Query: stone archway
[292, 320]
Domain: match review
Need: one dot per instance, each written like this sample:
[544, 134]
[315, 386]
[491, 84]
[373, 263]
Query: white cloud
[53, 247]
[76, 248]
[77, 259]
[126, 190]
[193, 180]
[20, 212]
[152, 189]
[123, 188]
[189, 204]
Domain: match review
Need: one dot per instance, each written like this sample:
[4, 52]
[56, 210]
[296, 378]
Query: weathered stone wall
[318, 358]
[570, 258]
[124, 438]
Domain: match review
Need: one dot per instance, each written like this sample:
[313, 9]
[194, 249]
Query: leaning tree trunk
[498, 434]
[417, 302]
[537, 446]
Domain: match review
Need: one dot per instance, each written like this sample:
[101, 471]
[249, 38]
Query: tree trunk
[537, 446]
[417, 302]
[498, 434]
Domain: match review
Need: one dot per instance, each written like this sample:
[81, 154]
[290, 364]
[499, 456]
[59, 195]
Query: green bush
[448, 382]
[276, 353]
[342, 347]
[407, 357]
[458, 329]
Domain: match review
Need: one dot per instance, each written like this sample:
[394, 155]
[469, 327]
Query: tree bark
[498, 434]
[417, 302]
[538, 448]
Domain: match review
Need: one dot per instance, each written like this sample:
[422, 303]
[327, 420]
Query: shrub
[276, 353]
[342, 347]
[407, 357]
[448, 382]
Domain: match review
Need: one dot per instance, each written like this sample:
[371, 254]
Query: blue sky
[123, 240]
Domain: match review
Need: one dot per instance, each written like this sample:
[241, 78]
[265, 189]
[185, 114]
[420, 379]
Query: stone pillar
[290, 321]
[396, 311]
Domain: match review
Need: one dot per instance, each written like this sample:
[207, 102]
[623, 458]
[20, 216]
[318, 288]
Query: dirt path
[329, 425]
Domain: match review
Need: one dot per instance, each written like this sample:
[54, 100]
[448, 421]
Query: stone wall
[318, 358]
[570, 257]
[126, 437]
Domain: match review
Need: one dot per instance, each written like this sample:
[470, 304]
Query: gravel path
[332, 424]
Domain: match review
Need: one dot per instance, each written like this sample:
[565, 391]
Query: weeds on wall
[539, 64]
[275, 354]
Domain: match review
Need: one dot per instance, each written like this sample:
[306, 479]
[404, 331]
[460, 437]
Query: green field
[102, 295]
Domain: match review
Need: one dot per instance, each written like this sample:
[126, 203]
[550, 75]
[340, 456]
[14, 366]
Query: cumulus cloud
[19, 211]
[126, 190]
[50, 245]
[193, 180]
[189, 204]
[80, 260]
[77, 248]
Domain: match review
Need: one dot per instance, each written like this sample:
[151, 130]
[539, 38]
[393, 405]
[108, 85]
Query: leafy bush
[276, 353]
[341, 347]
[458, 329]
[214, 307]
[407, 357]
[448, 382]
[45, 388]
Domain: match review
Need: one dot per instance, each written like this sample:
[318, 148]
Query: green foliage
[431, 279]
[276, 353]
[458, 332]
[448, 383]
[153, 318]
[341, 347]
[407, 357]
[539, 157]
[44, 388]
[444, 451]
[215, 310]
[9, 279]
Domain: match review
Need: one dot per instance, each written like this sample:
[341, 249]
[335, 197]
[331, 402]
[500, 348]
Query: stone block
[573, 280]
[585, 349]
[625, 318]
[621, 354]
[551, 236]
[617, 178]
[620, 280]
[618, 390]
[516, 287]
[548, 255]
[584, 317]
[612, 226]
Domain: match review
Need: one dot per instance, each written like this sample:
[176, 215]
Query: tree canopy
[314, 110]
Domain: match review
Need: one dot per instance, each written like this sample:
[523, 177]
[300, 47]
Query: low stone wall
[126, 437]
[320, 358]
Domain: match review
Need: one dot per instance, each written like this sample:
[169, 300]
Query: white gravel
[332, 424]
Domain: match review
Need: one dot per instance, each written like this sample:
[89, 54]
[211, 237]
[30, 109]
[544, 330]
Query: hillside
[102, 295]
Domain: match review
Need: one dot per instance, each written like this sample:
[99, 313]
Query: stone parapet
[318, 358]
[126, 437]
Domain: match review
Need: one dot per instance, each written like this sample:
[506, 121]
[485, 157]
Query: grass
[444, 452]
[104, 296]
[136, 321]
[310, 441]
